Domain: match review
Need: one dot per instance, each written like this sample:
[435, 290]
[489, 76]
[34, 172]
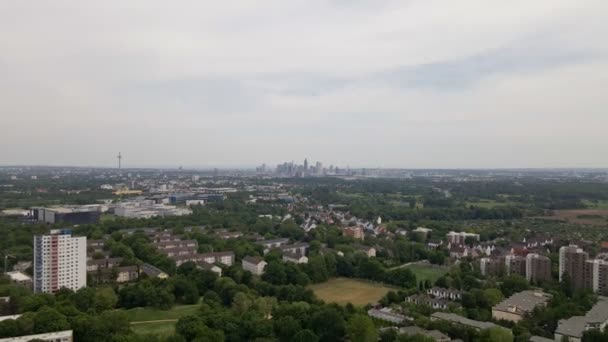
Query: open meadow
[346, 290]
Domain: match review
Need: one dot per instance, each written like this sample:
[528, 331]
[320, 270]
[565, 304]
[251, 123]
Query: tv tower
[119, 159]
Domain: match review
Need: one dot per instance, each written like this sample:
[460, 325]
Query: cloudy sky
[405, 83]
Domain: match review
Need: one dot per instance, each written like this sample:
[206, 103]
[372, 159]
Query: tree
[190, 327]
[286, 328]
[496, 334]
[48, 320]
[105, 299]
[361, 328]
[328, 324]
[274, 273]
[305, 335]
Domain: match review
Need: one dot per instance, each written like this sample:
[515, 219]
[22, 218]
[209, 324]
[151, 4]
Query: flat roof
[45, 337]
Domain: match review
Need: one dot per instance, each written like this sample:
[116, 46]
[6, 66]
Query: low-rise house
[22, 266]
[274, 243]
[171, 252]
[225, 258]
[127, 274]
[436, 335]
[574, 327]
[354, 232]
[297, 248]
[441, 293]
[153, 272]
[295, 258]
[435, 303]
[456, 319]
[209, 267]
[386, 314]
[102, 264]
[369, 251]
[519, 304]
[255, 265]
[177, 244]
[20, 278]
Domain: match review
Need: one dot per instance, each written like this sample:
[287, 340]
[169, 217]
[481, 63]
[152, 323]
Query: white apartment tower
[60, 260]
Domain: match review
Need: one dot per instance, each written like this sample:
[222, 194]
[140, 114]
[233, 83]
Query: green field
[601, 204]
[424, 272]
[489, 204]
[154, 328]
[345, 290]
[146, 314]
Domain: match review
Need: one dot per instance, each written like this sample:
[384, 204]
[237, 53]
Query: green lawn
[147, 314]
[346, 290]
[424, 272]
[154, 328]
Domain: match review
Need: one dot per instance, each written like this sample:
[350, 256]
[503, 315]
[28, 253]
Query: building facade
[572, 261]
[60, 260]
[538, 268]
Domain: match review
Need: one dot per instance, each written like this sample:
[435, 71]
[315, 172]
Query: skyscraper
[60, 260]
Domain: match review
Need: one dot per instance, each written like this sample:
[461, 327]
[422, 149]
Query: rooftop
[575, 326]
[450, 317]
[523, 302]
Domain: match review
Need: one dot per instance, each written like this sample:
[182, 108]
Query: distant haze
[415, 84]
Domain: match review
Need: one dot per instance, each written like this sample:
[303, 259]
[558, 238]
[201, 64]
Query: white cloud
[423, 83]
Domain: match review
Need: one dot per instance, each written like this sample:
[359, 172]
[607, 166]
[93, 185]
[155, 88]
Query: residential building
[435, 335]
[386, 314]
[127, 273]
[153, 272]
[515, 264]
[572, 262]
[22, 266]
[59, 336]
[225, 258]
[354, 232]
[254, 265]
[209, 267]
[434, 303]
[369, 251]
[102, 264]
[538, 268]
[491, 266]
[456, 319]
[297, 248]
[295, 258]
[20, 278]
[574, 327]
[60, 260]
[596, 276]
[460, 238]
[519, 304]
[274, 243]
[441, 293]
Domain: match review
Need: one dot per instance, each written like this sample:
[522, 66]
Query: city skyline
[418, 84]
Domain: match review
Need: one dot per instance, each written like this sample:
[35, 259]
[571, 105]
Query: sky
[405, 83]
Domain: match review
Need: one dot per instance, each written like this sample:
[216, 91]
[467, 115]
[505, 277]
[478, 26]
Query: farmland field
[582, 216]
[345, 290]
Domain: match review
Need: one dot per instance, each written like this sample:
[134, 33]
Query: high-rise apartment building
[572, 262]
[538, 268]
[515, 264]
[60, 260]
[596, 276]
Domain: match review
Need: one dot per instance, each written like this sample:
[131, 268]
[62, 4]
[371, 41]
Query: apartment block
[538, 268]
[60, 260]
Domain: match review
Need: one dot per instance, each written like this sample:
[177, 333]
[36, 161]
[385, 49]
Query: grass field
[146, 314]
[601, 204]
[345, 290]
[489, 204]
[154, 328]
[424, 272]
